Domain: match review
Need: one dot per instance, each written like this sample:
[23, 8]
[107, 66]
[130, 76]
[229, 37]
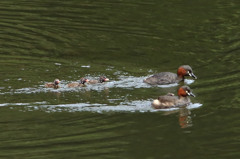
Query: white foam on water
[134, 106]
[188, 81]
[129, 106]
[194, 105]
[14, 104]
[58, 64]
[86, 66]
[4, 104]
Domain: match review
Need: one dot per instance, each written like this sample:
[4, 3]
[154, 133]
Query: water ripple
[133, 106]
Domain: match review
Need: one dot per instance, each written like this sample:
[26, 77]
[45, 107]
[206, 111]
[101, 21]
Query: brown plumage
[53, 84]
[169, 77]
[100, 80]
[81, 83]
[169, 100]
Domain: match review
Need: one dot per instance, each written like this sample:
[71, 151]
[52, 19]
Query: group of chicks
[81, 83]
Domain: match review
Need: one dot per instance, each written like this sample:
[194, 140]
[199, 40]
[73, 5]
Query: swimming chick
[81, 83]
[169, 100]
[53, 84]
[169, 77]
[100, 80]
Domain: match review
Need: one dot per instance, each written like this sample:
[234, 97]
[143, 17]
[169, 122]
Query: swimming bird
[100, 80]
[170, 100]
[169, 77]
[53, 84]
[81, 83]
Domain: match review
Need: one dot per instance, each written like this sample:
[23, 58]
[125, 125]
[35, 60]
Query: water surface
[126, 41]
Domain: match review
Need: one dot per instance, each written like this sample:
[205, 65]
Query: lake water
[125, 41]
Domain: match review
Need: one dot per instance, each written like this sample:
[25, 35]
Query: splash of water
[133, 106]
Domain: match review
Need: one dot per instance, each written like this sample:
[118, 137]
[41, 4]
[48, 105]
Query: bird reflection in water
[185, 119]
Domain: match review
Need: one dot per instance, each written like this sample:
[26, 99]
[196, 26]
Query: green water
[125, 41]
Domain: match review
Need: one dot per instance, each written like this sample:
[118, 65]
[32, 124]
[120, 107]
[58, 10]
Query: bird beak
[191, 94]
[192, 75]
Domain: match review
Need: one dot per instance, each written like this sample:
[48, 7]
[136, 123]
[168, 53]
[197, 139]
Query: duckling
[100, 80]
[81, 83]
[53, 84]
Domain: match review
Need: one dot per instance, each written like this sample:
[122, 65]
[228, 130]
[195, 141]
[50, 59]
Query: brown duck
[100, 80]
[53, 84]
[81, 83]
[170, 100]
[169, 77]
